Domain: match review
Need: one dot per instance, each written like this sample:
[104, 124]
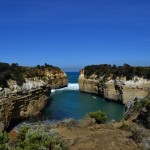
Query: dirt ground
[97, 137]
[94, 137]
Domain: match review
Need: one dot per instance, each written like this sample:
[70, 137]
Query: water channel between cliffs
[68, 102]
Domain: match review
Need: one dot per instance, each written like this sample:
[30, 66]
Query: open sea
[68, 102]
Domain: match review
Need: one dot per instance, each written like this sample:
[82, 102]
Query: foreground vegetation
[132, 132]
[100, 117]
[37, 138]
[19, 73]
[3, 140]
[117, 71]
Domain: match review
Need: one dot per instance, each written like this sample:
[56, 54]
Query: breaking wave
[71, 86]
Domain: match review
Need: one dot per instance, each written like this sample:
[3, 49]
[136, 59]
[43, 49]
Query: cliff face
[58, 79]
[19, 101]
[119, 89]
[21, 106]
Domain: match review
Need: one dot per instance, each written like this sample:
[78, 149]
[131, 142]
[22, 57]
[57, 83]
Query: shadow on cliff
[37, 119]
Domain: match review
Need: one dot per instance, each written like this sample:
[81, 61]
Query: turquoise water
[70, 103]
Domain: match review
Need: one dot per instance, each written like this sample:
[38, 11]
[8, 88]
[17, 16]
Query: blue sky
[73, 33]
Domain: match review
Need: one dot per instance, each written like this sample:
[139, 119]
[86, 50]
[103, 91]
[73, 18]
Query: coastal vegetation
[100, 117]
[19, 73]
[3, 140]
[37, 138]
[117, 71]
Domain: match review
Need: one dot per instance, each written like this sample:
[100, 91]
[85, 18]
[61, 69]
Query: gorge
[22, 100]
[28, 91]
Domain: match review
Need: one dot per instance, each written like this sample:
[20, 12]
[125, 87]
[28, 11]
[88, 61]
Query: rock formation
[119, 89]
[58, 80]
[21, 101]
[22, 105]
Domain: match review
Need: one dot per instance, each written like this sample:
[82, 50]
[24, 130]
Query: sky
[71, 34]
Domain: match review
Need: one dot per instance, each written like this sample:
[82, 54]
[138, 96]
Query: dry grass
[97, 137]
[87, 135]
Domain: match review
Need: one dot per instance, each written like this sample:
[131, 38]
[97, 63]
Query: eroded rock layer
[24, 91]
[119, 89]
[23, 105]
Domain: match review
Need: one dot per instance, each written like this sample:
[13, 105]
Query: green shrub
[38, 138]
[3, 140]
[21, 135]
[3, 137]
[2, 147]
[100, 117]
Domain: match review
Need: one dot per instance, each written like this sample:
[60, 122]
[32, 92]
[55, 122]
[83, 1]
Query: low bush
[3, 140]
[100, 117]
[37, 139]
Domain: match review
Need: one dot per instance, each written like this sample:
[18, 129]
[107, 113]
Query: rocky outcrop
[118, 89]
[23, 105]
[139, 111]
[58, 80]
[18, 102]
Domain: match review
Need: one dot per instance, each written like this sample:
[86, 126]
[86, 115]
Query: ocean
[70, 103]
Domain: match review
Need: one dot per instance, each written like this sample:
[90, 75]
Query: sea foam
[71, 86]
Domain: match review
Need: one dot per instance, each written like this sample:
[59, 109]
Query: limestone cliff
[119, 89]
[20, 106]
[58, 79]
[24, 91]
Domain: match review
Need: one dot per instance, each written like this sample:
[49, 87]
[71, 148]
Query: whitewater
[71, 86]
